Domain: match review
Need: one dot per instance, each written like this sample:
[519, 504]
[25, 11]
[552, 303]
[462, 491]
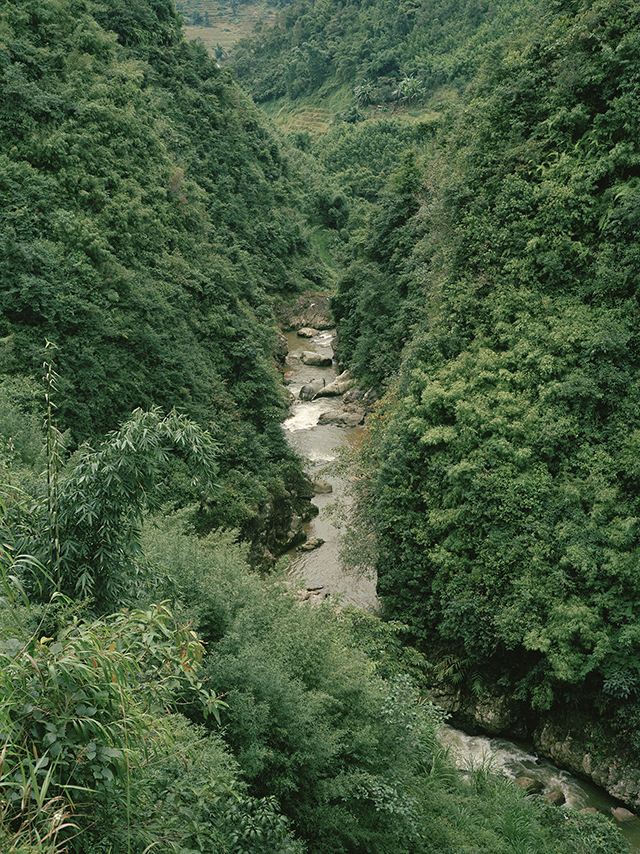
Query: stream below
[320, 445]
[321, 571]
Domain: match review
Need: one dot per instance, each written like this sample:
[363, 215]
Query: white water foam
[306, 415]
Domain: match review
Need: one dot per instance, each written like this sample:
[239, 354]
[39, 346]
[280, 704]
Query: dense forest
[502, 473]
[149, 217]
[490, 289]
[472, 208]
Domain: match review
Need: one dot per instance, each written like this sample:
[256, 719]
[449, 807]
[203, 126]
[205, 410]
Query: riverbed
[319, 446]
[321, 571]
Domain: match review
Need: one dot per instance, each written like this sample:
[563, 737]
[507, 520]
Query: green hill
[482, 255]
[494, 294]
[149, 216]
[384, 52]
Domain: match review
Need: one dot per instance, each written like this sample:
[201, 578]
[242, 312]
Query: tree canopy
[502, 475]
[149, 215]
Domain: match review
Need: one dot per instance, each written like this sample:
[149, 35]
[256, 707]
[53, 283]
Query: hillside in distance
[382, 52]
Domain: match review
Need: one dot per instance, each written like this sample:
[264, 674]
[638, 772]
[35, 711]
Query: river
[319, 445]
[321, 570]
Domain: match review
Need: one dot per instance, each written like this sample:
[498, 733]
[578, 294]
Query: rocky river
[319, 444]
[315, 428]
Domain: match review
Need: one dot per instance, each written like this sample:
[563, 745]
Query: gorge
[322, 574]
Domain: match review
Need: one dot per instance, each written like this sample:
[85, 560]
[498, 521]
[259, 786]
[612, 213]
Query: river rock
[314, 596]
[530, 785]
[311, 309]
[316, 360]
[307, 332]
[494, 714]
[309, 390]
[555, 797]
[568, 749]
[352, 417]
[321, 486]
[353, 395]
[294, 534]
[621, 814]
[311, 544]
[339, 386]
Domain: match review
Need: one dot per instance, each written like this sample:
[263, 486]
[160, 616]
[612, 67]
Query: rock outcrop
[570, 748]
[316, 360]
[565, 742]
[309, 390]
[311, 309]
[348, 416]
[279, 525]
[340, 385]
[280, 348]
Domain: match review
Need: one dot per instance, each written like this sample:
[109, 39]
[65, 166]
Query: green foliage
[98, 756]
[306, 718]
[500, 482]
[98, 505]
[148, 217]
[320, 713]
[21, 441]
[383, 641]
[385, 51]
[73, 705]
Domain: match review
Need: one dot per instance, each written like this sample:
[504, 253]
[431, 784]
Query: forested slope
[384, 51]
[148, 217]
[502, 264]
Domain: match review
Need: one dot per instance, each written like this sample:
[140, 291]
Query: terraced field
[225, 28]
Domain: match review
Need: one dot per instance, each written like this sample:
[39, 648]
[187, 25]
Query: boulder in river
[311, 544]
[309, 390]
[530, 785]
[340, 385]
[621, 814]
[316, 360]
[307, 332]
[352, 417]
[556, 797]
[321, 486]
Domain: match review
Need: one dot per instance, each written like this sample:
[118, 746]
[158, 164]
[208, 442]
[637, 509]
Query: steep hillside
[148, 218]
[499, 274]
[379, 51]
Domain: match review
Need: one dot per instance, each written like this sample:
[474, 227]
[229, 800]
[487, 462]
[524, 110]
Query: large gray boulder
[309, 390]
[352, 417]
[339, 386]
[316, 360]
[621, 814]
